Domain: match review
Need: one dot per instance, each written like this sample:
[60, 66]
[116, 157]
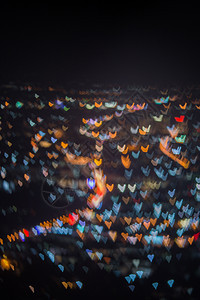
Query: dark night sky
[158, 41]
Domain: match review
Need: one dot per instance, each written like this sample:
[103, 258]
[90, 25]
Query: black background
[121, 42]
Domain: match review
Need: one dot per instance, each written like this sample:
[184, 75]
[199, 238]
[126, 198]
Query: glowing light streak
[164, 147]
